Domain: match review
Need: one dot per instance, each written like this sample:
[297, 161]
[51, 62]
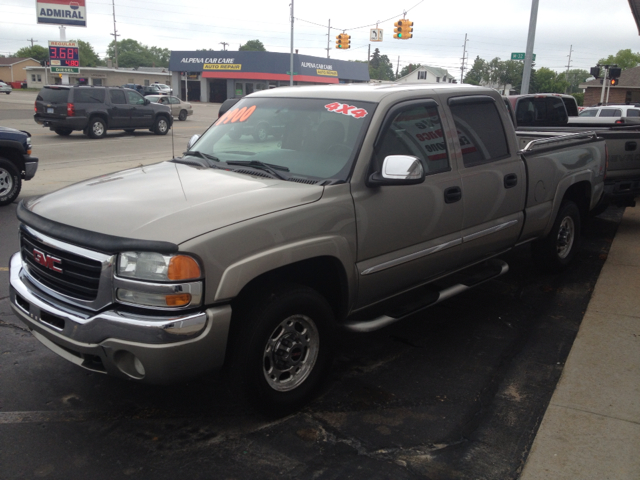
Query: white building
[426, 74]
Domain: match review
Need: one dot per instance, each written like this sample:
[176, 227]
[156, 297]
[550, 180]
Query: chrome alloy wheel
[98, 129]
[566, 236]
[291, 353]
[6, 182]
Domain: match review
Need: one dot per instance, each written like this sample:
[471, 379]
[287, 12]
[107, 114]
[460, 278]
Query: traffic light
[343, 41]
[403, 29]
[615, 72]
[614, 82]
[407, 29]
[397, 32]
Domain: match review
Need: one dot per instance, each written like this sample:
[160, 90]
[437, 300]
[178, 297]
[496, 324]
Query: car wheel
[281, 348]
[97, 128]
[235, 134]
[63, 132]
[261, 132]
[161, 127]
[556, 251]
[10, 182]
[7, 93]
[183, 115]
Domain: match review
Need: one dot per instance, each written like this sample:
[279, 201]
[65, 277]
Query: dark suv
[94, 110]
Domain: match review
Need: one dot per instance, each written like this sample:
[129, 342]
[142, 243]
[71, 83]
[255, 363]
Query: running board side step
[493, 269]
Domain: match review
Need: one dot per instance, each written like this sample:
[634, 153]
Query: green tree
[408, 69]
[380, 67]
[624, 59]
[510, 73]
[252, 46]
[132, 54]
[545, 80]
[36, 52]
[574, 78]
[477, 72]
[88, 57]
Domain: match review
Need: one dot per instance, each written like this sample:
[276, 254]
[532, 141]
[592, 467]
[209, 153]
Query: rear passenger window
[417, 131]
[117, 97]
[480, 131]
[610, 112]
[633, 113]
[88, 95]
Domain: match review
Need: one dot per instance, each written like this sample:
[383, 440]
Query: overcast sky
[589, 29]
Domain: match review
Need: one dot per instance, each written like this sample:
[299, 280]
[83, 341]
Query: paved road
[455, 392]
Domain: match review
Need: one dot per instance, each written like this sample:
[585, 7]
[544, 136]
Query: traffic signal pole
[528, 56]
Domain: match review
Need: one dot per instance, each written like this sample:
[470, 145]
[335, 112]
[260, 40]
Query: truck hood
[169, 201]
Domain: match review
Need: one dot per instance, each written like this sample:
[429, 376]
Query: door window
[117, 97]
[135, 98]
[415, 130]
[480, 131]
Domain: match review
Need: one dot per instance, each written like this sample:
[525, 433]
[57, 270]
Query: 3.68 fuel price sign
[62, 55]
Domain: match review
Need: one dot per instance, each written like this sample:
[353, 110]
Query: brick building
[627, 90]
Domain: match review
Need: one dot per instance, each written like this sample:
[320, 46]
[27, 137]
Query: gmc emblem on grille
[47, 260]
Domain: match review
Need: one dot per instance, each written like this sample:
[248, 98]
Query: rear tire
[555, 252]
[281, 348]
[161, 127]
[183, 115]
[10, 182]
[96, 128]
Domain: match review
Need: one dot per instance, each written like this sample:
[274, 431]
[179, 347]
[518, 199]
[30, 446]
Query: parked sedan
[179, 108]
[4, 88]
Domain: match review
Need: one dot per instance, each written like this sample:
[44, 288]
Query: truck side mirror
[192, 140]
[398, 170]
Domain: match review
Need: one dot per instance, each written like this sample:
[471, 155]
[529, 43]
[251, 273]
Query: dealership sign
[62, 12]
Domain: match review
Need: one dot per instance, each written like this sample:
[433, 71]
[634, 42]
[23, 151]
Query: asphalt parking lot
[456, 392]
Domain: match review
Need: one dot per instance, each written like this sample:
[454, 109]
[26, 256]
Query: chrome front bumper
[154, 349]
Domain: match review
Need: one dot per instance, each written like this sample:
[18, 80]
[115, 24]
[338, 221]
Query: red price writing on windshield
[345, 109]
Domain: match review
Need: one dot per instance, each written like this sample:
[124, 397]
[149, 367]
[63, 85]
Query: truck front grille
[67, 273]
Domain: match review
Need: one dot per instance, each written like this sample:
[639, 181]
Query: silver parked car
[179, 108]
[5, 88]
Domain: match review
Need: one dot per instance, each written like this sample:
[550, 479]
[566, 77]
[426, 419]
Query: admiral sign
[62, 12]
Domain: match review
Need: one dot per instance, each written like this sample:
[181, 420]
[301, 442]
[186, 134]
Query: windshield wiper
[196, 153]
[267, 167]
[209, 159]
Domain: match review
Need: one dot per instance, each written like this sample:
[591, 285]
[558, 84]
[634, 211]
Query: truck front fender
[239, 274]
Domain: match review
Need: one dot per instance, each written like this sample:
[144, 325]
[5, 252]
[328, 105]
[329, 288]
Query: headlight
[157, 267]
[158, 281]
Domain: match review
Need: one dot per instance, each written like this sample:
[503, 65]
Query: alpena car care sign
[62, 12]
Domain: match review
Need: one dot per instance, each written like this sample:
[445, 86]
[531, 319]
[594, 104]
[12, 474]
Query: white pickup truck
[354, 207]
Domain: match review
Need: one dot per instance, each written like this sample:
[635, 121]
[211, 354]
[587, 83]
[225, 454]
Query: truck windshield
[310, 138]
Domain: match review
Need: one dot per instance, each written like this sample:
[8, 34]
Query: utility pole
[31, 40]
[566, 75]
[528, 56]
[398, 66]
[224, 45]
[464, 57]
[328, 38]
[291, 60]
[115, 32]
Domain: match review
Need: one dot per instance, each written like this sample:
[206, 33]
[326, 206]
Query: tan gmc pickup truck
[300, 212]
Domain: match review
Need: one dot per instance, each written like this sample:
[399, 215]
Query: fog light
[129, 364]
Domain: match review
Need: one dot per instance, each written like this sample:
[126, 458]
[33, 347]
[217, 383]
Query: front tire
[555, 252]
[161, 127]
[281, 349]
[261, 132]
[10, 182]
[97, 128]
